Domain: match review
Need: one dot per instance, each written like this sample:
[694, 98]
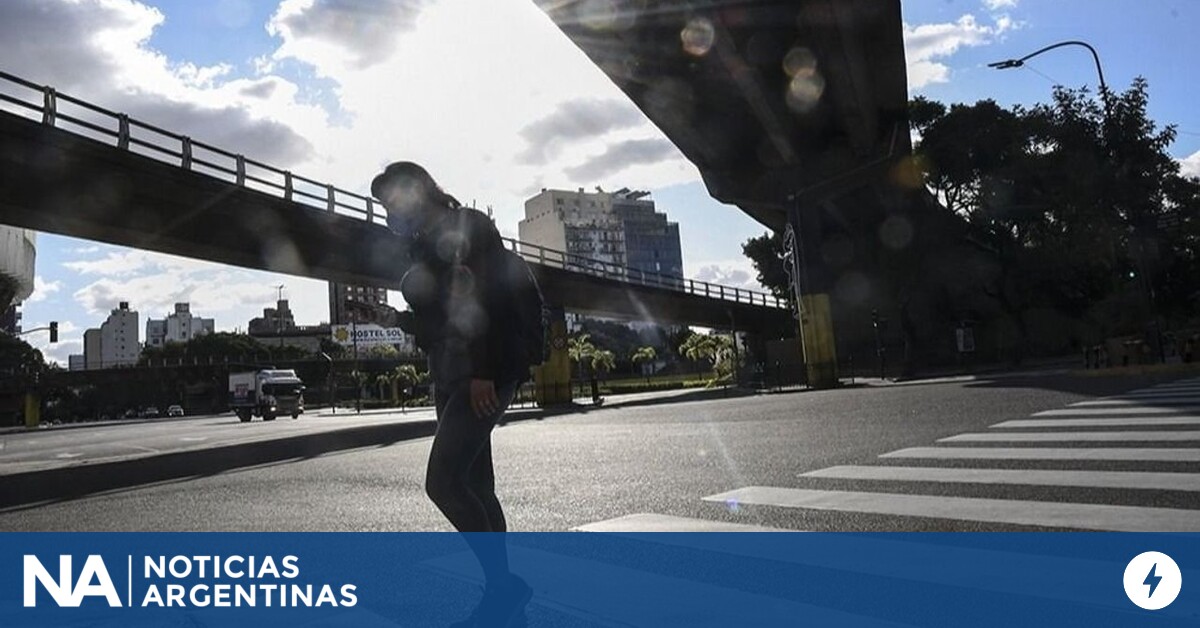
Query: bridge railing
[24, 98]
[586, 265]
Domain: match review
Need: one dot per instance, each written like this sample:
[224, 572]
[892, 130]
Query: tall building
[620, 228]
[651, 241]
[579, 223]
[339, 293]
[17, 255]
[179, 326]
[115, 344]
[91, 349]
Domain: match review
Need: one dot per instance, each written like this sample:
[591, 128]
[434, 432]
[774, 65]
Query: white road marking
[1119, 422]
[649, 522]
[1049, 453]
[1158, 401]
[1009, 511]
[1063, 437]
[1109, 411]
[1032, 477]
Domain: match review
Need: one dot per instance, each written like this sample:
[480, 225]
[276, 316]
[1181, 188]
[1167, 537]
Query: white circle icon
[1152, 580]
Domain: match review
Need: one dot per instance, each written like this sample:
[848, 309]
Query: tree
[715, 349]
[383, 381]
[404, 376]
[766, 254]
[579, 349]
[1071, 198]
[603, 361]
[642, 356]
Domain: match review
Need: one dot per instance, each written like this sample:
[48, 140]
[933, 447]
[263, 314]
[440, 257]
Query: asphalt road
[650, 464]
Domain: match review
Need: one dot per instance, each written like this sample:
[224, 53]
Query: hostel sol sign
[366, 335]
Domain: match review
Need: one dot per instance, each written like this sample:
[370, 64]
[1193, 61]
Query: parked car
[175, 410]
[151, 412]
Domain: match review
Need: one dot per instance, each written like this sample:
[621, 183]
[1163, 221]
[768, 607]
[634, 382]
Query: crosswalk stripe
[1034, 477]
[1009, 511]
[1156, 395]
[1158, 401]
[1182, 419]
[1063, 437]
[649, 522]
[1155, 454]
[1128, 410]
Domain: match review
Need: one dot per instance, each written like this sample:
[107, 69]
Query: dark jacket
[455, 289]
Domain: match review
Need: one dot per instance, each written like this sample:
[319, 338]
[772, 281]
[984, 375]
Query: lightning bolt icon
[1152, 580]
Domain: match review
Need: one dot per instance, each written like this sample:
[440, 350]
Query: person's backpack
[531, 316]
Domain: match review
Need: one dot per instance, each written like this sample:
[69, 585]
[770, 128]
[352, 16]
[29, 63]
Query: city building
[339, 293]
[651, 241]
[179, 326]
[612, 229]
[17, 254]
[276, 320]
[114, 344]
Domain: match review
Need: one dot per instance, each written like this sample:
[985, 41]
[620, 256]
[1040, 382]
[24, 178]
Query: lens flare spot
[804, 92]
[599, 15]
[909, 172]
[698, 37]
[800, 61]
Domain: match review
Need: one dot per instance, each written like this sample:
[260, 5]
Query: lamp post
[1105, 96]
[1016, 63]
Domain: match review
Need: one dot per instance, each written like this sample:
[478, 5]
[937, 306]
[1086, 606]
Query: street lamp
[1016, 63]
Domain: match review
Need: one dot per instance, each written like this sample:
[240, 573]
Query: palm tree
[643, 355]
[404, 376]
[383, 380]
[603, 361]
[580, 348]
[716, 349]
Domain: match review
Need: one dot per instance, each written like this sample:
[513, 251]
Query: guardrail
[77, 116]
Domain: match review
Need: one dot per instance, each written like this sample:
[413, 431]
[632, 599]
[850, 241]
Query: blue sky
[333, 93]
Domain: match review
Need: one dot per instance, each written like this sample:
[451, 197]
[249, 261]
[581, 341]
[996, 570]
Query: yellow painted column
[33, 410]
[552, 380]
[816, 333]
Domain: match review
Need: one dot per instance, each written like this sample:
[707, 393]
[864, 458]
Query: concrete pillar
[820, 350]
[552, 380]
[812, 283]
[33, 409]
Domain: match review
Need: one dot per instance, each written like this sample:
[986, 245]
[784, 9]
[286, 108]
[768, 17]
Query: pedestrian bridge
[74, 168]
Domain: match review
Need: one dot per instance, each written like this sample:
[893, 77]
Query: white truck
[267, 393]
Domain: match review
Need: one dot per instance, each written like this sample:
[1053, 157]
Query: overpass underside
[795, 111]
[55, 181]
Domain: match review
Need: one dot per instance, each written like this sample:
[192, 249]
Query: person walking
[463, 318]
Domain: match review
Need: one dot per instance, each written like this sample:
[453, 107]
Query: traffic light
[53, 331]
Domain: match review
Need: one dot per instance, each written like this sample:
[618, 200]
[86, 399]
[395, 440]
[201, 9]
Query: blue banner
[595, 579]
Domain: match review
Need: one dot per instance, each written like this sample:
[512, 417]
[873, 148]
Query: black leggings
[460, 479]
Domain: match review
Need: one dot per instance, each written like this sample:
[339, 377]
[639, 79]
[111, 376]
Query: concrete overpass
[73, 168]
[794, 111]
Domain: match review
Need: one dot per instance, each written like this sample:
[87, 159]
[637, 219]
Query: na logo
[93, 581]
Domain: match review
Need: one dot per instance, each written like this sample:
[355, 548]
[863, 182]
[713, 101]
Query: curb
[34, 487]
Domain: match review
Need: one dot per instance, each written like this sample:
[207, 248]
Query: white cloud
[996, 5]
[572, 121]
[356, 33]
[42, 289]
[1190, 166]
[738, 273]
[927, 44]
